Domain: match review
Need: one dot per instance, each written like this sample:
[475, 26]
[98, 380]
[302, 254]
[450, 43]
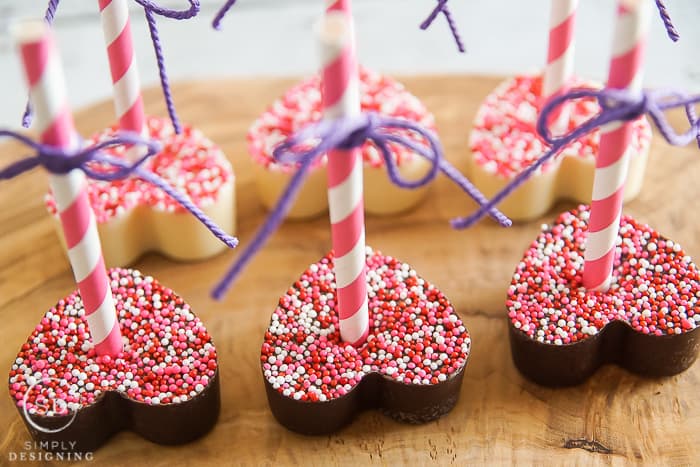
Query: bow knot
[61, 161]
[366, 130]
[616, 105]
[57, 162]
[619, 105]
[634, 107]
[352, 132]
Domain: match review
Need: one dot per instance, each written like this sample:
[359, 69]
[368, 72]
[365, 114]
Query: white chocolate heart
[301, 105]
[134, 217]
[504, 142]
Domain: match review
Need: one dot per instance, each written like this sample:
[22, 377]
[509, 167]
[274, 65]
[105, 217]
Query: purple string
[666, 18]
[348, 133]
[61, 161]
[616, 106]
[150, 9]
[444, 9]
[440, 8]
[216, 23]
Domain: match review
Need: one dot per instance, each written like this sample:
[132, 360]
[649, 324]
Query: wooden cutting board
[500, 418]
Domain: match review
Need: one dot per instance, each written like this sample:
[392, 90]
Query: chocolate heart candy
[134, 217]
[504, 142]
[647, 322]
[164, 386]
[411, 365]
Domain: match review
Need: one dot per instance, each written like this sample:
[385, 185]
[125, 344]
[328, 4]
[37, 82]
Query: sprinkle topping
[301, 105]
[655, 286]
[168, 354]
[415, 336]
[189, 162]
[504, 140]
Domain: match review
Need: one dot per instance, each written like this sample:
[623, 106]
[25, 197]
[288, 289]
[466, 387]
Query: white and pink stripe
[128, 102]
[560, 53]
[345, 193]
[339, 5]
[626, 66]
[54, 124]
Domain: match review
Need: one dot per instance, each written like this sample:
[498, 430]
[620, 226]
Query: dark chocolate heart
[411, 365]
[164, 386]
[647, 322]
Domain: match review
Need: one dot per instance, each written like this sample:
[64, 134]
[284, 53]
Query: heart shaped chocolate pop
[123, 351]
[164, 386]
[358, 329]
[411, 365]
[647, 322]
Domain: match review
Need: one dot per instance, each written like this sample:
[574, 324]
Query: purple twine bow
[349, 133]
[616, 106]
[61, 161]
[444, 9]
[150, 9]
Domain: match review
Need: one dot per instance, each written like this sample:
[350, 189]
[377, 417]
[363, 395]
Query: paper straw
[560, 55]
[625, 72]
[54, 124]
[345, 192]
[339, 5]
[128, 102]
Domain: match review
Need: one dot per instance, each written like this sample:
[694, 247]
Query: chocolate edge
[617, 343]
[112, 412]
[407, 403]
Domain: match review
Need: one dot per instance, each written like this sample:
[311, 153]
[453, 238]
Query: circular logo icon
[46, 403]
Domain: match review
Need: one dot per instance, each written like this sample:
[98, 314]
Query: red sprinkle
[655, 286]
[301, 105]
[415, 336]
[189, 162]
[59, 361]
[504, 140]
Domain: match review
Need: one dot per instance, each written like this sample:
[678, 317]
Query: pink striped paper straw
[625, 72]
[339, 5]
[54, 124]
[560, 54]
[341, 97]
[128, 102]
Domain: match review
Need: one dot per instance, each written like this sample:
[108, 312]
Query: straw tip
[28, 30]
[333, 27]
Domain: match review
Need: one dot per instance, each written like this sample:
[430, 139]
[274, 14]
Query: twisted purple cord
[216, 23]
[444, 9]
[150, 9]
[349, 133]
[440, 8]
[164, 82]
[61, 161]
[666, 18]
[616, 106]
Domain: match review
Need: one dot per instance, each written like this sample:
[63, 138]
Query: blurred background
[272, 37]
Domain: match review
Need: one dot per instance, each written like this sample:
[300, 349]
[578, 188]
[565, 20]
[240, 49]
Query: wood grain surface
[615, 418]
